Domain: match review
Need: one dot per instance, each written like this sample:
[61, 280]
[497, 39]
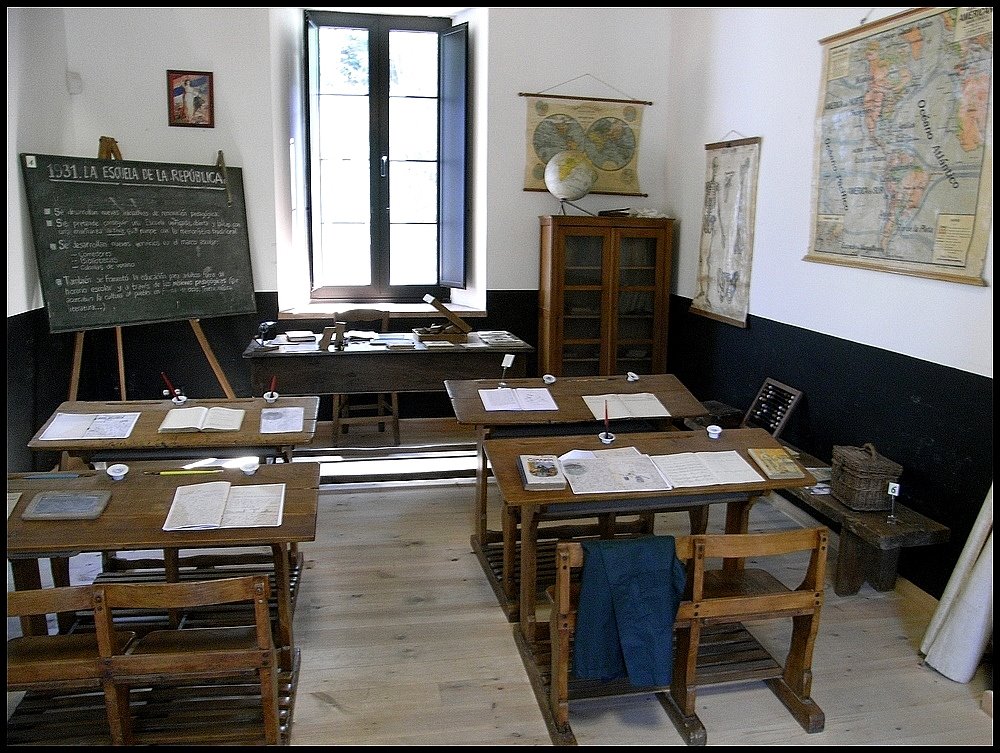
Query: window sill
[396, 310]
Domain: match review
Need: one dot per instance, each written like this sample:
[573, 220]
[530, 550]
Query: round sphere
[570, 175]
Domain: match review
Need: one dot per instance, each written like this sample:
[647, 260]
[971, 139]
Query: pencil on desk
[181, 473]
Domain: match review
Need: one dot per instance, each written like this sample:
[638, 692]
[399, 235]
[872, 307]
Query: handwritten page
[706, 468]
[639, 405]
[522, 399]
[90, 426]
[254, 506]
[281, 420]
[197, 506]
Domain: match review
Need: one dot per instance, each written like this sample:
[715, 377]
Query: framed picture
[190, 99]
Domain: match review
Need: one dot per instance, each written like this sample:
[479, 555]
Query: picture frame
[190, 99]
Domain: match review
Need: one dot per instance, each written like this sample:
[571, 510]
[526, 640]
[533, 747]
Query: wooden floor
[403, 643]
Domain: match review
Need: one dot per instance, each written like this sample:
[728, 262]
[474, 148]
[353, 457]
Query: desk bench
[869, 544]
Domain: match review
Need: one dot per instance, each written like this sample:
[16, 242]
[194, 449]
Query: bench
[869, 543]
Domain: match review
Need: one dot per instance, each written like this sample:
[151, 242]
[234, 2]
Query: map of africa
[606, 131]
[904, 162]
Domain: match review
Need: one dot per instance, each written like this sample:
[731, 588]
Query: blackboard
[120, 242]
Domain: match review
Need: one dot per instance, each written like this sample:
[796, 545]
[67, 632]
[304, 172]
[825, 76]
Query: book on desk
[541, 472]
[219, 504]
[200, 418]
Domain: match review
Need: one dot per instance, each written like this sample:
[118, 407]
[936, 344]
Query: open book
[706, 468]
[90, 426]
[219, 504]
[201, 418]
[520, 398]
[638, 405]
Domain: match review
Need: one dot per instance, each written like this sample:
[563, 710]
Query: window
[388, 149]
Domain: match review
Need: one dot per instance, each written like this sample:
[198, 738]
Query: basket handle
[871, 448]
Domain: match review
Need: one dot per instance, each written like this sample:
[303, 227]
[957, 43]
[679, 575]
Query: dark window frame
[454, 153]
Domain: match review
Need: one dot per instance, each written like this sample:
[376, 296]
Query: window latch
[385, 166]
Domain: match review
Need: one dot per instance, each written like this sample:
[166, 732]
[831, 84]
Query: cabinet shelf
[604, 294]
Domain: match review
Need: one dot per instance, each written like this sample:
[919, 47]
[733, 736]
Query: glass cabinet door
[583, 280]
[636, 305]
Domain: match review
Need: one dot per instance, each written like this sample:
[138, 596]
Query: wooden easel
[108, 149]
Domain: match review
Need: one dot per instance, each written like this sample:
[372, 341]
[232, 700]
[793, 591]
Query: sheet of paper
[621, 473]
[521, 399]
[68, 426]
[197, 506]
[254, 506]
[706, 468]
[298, 347]
[111, 426]
[281, 420]
[640, 405]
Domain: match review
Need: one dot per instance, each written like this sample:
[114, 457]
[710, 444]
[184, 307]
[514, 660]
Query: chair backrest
[176, 656]
[772, 407]
[376, 319]
[251, 589]
[712, 596]
[41, 661]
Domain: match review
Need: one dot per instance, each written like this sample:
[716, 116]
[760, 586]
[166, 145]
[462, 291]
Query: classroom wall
[905, 362]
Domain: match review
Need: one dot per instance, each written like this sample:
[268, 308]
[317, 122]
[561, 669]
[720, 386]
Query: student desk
[364, 368]
[133, 520]
[528, 508]
[145, 442]
[572, 417]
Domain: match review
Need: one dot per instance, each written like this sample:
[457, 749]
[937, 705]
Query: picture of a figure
[190, 99]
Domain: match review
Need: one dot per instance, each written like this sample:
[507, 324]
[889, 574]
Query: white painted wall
[707, 71]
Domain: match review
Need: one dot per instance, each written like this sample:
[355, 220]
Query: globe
[570, 175]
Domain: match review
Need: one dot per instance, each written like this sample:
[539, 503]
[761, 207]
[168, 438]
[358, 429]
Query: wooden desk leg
[172, 574]
[283, 582]
[858, 561]
[28, 577]
[60, 577]
[479, 512]
[737, 521]
[529, 572]
[508, 517]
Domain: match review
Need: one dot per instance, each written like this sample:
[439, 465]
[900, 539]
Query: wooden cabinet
[604, 292]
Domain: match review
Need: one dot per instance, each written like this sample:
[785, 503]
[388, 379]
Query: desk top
[503, 454]
[145, 434]
[475, 342]
[134, 516]
[568, 393]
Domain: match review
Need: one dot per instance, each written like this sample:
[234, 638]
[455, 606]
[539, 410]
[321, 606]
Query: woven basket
[860, 477]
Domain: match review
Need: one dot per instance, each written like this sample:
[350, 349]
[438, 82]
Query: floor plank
[403, 643]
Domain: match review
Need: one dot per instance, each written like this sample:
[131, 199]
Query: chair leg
[559, 680]
[794, 688]
[679, 703]
[116, 704]
[269, 703]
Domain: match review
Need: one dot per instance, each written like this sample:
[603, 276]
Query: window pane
[343, 127]
[413, 59]
[412, 192]
[343, 60]
[414, 255]
[412, 129]
[344, 187]
[343, 259]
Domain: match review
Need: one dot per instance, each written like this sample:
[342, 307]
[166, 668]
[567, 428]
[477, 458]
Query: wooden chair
[59, 660]
[378, 408]
[180, 658]
[709, 621]
[770, 410]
